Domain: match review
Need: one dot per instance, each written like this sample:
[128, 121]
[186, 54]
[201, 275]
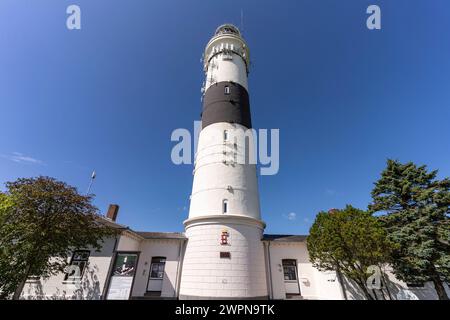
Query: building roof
[161, 235]
[181, 235]
[284, 238]
[108, 222]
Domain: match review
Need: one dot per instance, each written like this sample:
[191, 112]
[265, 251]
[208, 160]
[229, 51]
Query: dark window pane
[157, 267]
[289, 273]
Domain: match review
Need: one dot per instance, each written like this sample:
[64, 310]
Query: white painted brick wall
[205, 274]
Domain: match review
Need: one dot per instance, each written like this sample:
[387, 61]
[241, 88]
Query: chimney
[112, 212]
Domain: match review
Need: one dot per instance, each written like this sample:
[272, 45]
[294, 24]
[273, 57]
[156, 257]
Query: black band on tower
[226, 102]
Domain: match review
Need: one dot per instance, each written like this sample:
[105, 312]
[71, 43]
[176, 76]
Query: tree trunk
[364, 290]
[341, 282]
[19, 288]
[440, 290]
[375, 294]
[367, 294]
[383, 278]
[382, 294]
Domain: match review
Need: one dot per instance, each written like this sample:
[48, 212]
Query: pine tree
[416, 216]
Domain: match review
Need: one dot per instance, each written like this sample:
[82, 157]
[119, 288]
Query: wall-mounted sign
[122, 276]
[224, 237]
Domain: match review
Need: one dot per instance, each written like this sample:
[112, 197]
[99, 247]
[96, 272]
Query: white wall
[92, 283]
[212, 176]
[158, 248]
[128, 242]
[398, 290]
[217, 69]
[226, 70]
[207, 275]
[313, 284]
[203, 272]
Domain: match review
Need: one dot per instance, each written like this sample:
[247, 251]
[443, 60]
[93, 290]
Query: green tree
[8, 276]
[348, 241]
[416, 207]
[42, 218]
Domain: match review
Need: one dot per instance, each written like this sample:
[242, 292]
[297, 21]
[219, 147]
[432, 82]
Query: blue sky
[108, 96]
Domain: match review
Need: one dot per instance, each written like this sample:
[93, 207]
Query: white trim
[227, 219]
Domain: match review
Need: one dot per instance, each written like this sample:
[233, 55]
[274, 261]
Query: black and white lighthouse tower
[224, 255]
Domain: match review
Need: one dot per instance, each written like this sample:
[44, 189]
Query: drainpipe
[270, 271]
[108, 275]
[179, 268]
[266, 266]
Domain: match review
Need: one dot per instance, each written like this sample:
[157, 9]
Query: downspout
[108, 275]
[179, 268]
[266, 267]
[270, 271]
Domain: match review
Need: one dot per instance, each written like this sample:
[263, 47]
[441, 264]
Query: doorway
[156, 275]
[290, 273]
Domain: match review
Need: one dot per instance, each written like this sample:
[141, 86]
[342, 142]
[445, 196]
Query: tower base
[214, 268]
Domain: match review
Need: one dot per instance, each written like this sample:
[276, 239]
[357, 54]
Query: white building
[223, 253]
[149, 265]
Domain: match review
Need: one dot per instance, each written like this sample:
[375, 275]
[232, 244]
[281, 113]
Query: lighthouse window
[225, 135]
[227, 90]
[225, 206]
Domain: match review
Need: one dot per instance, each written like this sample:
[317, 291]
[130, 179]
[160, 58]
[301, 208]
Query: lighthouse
[224, 256]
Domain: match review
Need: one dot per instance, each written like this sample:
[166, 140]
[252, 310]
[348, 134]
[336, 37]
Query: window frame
[161, 262]
[416, 285]
[291, 265]
[225, 206]
[74, 260]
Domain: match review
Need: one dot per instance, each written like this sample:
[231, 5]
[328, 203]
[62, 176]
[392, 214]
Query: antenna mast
[90, 183]
[242, 20]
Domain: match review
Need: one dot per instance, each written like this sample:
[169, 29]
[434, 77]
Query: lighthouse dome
[227, 29]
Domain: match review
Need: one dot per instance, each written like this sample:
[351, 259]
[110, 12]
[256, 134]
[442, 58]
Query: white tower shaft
[224, 255]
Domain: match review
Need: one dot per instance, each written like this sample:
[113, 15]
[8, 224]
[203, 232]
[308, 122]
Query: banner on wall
[122, 276]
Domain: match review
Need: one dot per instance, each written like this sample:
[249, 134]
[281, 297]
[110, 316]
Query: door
[156, 274]
[291, 277]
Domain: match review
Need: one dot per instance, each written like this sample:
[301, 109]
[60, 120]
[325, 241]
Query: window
[157, 267]
[225, 135]
[77, 265]
[33, 279]
[225, 206]
[290, 269]
[125, 265]
[227, 90]
[225, 255]
[415, 285]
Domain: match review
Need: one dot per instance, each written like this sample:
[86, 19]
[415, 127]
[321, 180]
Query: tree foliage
[42, 221]
[348, 241]
[416, 216]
